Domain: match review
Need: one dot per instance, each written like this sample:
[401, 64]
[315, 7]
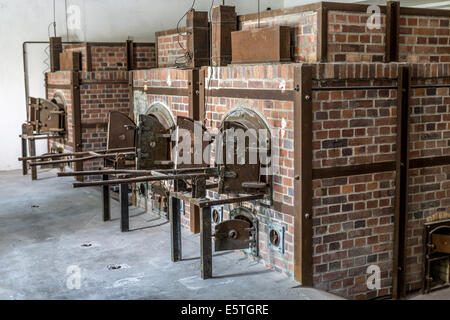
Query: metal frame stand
[206, 236]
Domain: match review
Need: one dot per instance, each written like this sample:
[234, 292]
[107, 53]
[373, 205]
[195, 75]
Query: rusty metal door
[235, 177]
[121, 131]
[46, 116]
[232, 235]
[154, 144]
[196, 153]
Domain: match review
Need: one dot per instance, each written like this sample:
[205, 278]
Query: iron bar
[144, 179]
[354, 88]
[131, 172]
[430, 86]
[40, 163]
[80, 153]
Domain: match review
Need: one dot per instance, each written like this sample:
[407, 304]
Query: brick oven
[91, 80]
[370, 107]
[361, 116]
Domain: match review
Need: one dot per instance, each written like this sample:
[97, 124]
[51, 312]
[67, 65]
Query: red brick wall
[350, 40]
[424, 39]
[113, 56]
[429, 189]
[304, 26]
[145, 55]
[169, 49]
[353, 216]
[108, 57]
[97, 100]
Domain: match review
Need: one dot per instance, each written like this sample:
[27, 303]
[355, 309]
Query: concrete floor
[46, 226]
[443, 294]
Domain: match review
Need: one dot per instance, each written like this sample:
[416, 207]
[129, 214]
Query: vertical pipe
[124, 214]
[259, 15]
[205, 243]
[175, 228]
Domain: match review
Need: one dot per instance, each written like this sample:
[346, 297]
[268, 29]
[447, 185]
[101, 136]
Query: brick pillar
[224, 21]
[197, 29]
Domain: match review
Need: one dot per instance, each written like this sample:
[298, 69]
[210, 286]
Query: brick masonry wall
[429, 188]
[169, 49]
[424, 39]
[304, 32]
[350, 40]
[108, 57]
[113, 57]
[353, 216]
[97, 100]
[145, 56]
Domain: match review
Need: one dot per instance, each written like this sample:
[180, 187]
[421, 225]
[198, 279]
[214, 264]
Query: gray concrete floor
[46, 226]
[443, 294]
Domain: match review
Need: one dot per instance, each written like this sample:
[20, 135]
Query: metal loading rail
[118, 155]
[195, 195]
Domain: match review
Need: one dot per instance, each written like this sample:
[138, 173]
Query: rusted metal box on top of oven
[261, 45]
[223, 23]
[70, 61]
[197, 30]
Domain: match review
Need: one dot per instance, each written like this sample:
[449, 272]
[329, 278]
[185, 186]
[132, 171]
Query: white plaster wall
[101, 20]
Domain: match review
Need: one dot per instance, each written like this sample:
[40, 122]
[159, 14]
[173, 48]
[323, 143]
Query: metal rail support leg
[175, 228]
[124, 213]
[24, 154]
[106, 201]
[205, 243]
[32, 148]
